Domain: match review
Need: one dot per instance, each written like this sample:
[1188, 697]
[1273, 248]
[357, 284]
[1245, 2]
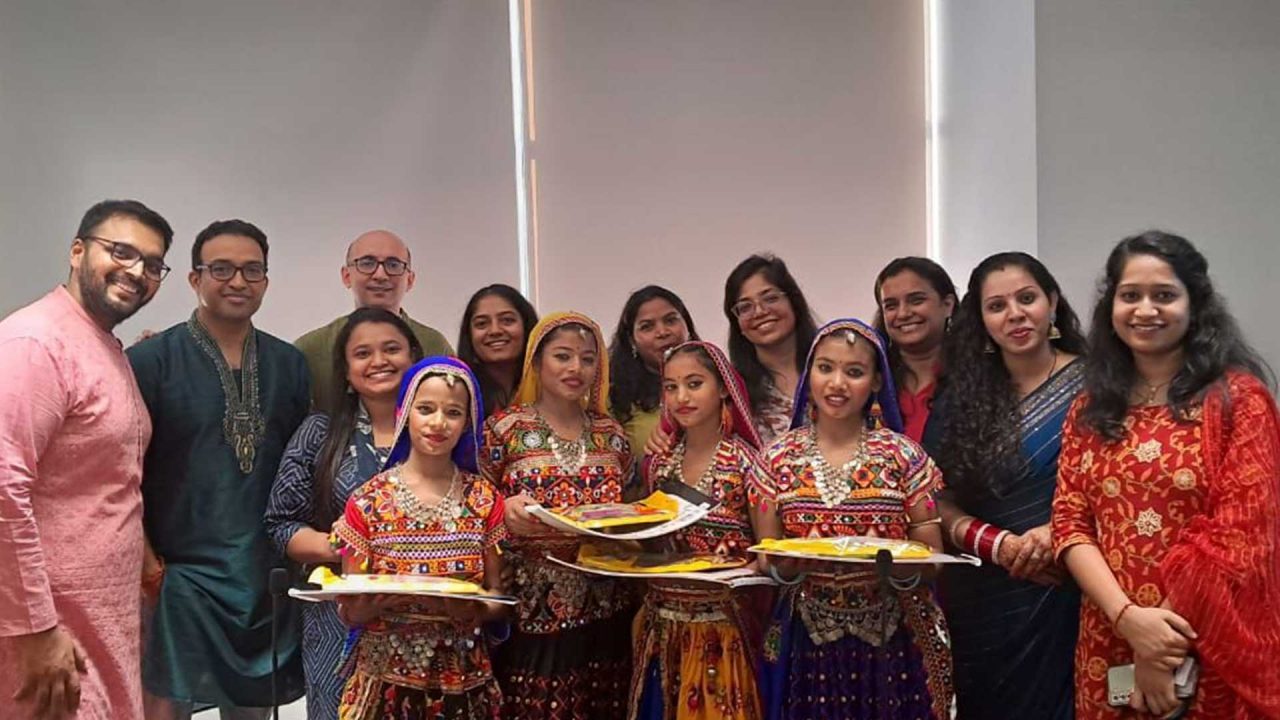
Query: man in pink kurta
[73, 430]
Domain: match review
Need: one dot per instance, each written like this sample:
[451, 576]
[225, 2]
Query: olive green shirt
[317, 347]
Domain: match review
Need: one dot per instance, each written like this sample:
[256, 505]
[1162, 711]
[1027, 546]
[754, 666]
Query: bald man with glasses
[378, 272]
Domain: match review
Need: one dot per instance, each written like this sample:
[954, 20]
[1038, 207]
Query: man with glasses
[378, 272]
[224, 399]
[73, 430]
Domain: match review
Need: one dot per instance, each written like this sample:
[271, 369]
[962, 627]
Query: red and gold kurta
[1183, 510]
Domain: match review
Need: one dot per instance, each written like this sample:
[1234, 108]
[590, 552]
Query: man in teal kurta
[378, 272]
[224, 399]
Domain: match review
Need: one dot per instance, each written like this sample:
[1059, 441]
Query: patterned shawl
[731, 381]
[531, 384]
[887, 396]
[464, 453]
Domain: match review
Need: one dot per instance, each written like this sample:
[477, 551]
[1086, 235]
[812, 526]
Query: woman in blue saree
[1014, 360]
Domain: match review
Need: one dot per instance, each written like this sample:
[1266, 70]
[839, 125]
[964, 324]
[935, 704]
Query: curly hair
[980, 442]
[741, 352]
[1213, 342]
[631, 383]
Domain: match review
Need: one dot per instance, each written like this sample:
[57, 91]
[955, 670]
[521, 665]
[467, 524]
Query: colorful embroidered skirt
[827, 658]
[693, 659]
[370, 698]
[576, 674]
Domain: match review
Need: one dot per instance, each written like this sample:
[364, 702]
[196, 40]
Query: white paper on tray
[686, 515]
[934, 559]
[333, 594]
[733, 577]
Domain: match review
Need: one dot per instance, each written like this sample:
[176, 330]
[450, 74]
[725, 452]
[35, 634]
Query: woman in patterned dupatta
[1014, 362]
[1168, 504]
[695, 645]
[569, 655]
[841, 646]
[428, 513]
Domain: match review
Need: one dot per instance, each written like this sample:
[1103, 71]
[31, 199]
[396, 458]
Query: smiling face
[109, 292]
[377, 356]
[1016, 311]
[1151, 310]
[764, 313]
[915, 315]
[233, 300]
[438, 415]
[378, 290]
[567, 363]
[691, 391]
[659, 326]
[497, 330]
[843, 376]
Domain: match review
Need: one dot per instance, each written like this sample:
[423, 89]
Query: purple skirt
[845, 679]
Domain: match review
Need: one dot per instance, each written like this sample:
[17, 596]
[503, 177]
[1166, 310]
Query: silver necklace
[834, 485]
[706, 481]
[444, 511]
[570, 454]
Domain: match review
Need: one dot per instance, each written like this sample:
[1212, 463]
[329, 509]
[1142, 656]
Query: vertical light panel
[933, 139]
[521, 120]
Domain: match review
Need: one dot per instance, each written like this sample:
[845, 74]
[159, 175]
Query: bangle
[995, 547]
[922, 523]
[773, 573]
[1115, 624]
[951, 533]
[985, 548]
[905, 584]
[971, 535]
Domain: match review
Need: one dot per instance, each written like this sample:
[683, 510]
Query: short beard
[94, 295]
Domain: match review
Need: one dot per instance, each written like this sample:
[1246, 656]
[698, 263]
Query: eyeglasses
[222, 271]
[127, 256]
[744, 309]
[368, 265]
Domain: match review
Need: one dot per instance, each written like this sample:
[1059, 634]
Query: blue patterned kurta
[289, 509]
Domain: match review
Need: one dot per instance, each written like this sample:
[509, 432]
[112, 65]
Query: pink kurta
[73, 430]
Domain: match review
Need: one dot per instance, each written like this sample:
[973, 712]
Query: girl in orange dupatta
[1167, 505]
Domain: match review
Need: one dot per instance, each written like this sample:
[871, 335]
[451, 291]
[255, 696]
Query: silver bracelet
[904, 584]
[773, 573]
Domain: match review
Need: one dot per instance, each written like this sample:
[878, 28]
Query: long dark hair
[741, 352]
[980, 433]
[1212, 345]
[342, 419]
[495, 396]
[938, 279]
[631, 382]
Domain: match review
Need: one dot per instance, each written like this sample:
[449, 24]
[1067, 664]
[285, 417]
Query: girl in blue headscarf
[840, 645]
[427, 513]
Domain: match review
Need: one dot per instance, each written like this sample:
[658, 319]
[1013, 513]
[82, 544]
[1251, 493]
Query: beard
[95, 293]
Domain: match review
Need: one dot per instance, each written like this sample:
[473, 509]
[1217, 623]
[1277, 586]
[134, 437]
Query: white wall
[1163, 114]
[314, 119]
[675, 138]
[986, 120]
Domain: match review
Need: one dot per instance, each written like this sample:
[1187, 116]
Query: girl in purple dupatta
[841, 646]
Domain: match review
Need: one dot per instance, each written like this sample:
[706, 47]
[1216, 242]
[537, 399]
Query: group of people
[1120, 483]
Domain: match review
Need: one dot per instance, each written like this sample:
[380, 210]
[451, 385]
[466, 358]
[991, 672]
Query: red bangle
[987, 542]
[1115, 624]
[976, 528]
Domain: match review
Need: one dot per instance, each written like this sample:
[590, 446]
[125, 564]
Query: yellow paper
[327, 580]
[849, 547]
[593, 556]
[658, 507]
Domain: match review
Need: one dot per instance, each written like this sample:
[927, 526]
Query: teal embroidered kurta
[210, 638]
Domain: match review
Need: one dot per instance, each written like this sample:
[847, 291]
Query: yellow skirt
[693, 660]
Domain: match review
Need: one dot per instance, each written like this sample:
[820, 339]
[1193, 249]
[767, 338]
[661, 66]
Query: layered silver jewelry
[444, 511]
[834, 484]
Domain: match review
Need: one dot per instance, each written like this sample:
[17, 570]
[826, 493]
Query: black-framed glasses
[744, 309]
[127, 256]
[222, 271]
[368, 265]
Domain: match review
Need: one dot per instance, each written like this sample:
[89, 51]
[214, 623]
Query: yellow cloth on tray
[848, 547]
[599, 558]
[327, 580]
[658, 507]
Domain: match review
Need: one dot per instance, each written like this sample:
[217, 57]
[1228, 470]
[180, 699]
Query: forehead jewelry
[851, 337]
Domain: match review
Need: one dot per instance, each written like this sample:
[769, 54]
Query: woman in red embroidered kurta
[1167, 500]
